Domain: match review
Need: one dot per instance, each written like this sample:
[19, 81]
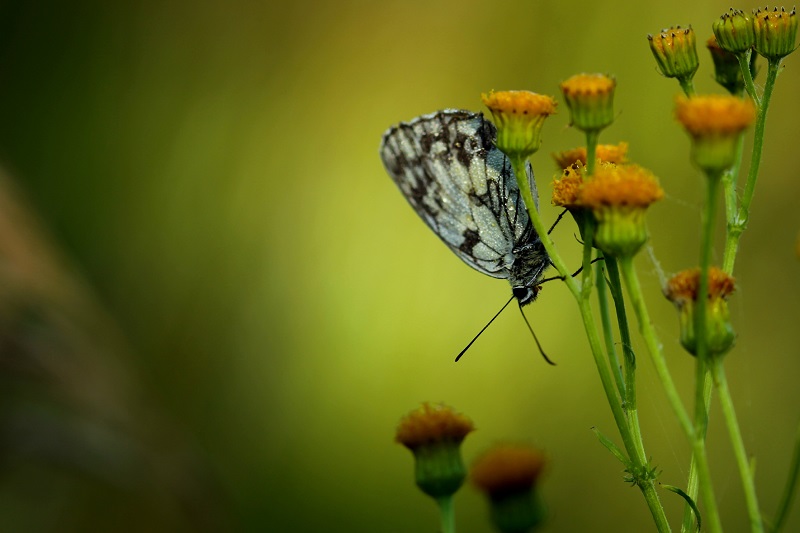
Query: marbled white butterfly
[448, 168]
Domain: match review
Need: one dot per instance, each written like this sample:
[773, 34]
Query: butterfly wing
[448, 168]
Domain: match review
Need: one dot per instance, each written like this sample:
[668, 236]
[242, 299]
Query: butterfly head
[525, 295]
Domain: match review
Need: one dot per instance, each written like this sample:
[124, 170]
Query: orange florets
[431, 424]
[621, 185]
[567, 188]
[588, 84]
[519, 103]
[683, 286]
[507, 468]
[611, 153]
[715, 115]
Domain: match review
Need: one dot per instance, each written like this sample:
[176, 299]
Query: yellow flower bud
[590, 98]
[519, 116]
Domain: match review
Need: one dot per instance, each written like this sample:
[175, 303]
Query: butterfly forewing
[463, 187]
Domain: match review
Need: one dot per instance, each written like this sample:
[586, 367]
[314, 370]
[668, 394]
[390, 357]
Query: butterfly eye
[524, 294]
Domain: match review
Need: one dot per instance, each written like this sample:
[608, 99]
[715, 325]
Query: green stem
[740, 224]
[692, 482]
[656, 355]
[790, 488]
[687, 85]
[701, 347]
[592, 334]
[447, 514]
[592, 138]
[729, 179]
[654, 346]
[745, 472]
[747, 76]
[608, 336]
[624, 331]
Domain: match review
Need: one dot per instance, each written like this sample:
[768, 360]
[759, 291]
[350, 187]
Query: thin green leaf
[610, 446]
[688, 499]
[790, 488]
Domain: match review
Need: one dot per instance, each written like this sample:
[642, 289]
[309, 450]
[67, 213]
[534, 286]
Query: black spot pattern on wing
[463, 187]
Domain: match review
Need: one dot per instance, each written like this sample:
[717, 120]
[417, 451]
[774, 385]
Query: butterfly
[447, 166]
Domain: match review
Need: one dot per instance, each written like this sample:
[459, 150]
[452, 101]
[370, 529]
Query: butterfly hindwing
[462, 186]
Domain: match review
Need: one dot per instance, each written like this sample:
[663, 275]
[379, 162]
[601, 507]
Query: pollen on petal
[715, 115]
[567, 188]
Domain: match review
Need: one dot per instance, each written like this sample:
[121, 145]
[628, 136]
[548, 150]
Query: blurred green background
[222, 305]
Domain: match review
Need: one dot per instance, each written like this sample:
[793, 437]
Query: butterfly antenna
[564, 212]
[595, 260]
[484, 329]
[538, 344]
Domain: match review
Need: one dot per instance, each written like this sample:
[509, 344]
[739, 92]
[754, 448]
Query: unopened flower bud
[682, 290]
[675, 51]
[508, 474]
[519, 116]
[590, 98]
[734, 31]
[434, 434]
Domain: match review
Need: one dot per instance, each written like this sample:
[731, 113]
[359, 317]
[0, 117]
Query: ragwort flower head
[715, 124]
[683, 291]
[775, 32]
[434, 434]
[675, 50]
[519, 116]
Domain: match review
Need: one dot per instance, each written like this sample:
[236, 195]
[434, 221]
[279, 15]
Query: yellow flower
[715, 124]
[519, 116]
[590, 98]
[619, 195]
[611, 153]
[682, 290]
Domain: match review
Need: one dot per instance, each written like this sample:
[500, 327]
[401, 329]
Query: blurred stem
[790, 488]
[745, 472]
[591, 151]
[687, 84]
[582, 296]
[747, 76]
[736, 229]
[447, 514]
[701, 354]
[729, 180]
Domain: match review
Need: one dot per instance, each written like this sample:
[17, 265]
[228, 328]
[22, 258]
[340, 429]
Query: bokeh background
[215, 305]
